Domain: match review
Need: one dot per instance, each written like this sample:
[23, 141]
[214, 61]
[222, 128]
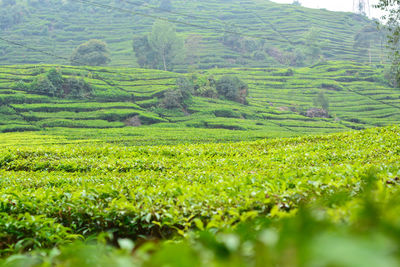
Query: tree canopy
[93, 53]
[232, 88]
[161, 48]
[52, 83]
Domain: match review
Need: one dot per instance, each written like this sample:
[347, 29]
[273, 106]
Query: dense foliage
[161, 48]
[92, 53]
[53, 194]
[53, 84]
[227, 87]
[391, 10]
[232, 88]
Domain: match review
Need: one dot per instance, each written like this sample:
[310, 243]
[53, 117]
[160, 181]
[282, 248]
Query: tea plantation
[278, 102]
[296, 201]
[272, 140]
[108, 176]
[264, 33]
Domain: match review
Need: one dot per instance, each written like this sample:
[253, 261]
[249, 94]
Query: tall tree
[166, 44]
[145, 56]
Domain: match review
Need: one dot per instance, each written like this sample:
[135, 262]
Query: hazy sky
[335, 5]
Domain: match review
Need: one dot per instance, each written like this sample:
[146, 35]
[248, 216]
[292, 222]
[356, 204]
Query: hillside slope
[57, 27]
[278, 102]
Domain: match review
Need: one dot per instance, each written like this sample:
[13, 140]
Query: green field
[49, 26]
[274, 139]
[357, 94]
[214, 183]
[57, 194]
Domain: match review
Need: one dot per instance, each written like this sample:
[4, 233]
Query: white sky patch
[334, 5]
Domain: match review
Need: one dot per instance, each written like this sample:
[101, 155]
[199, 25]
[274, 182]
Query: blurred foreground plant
[355, 227]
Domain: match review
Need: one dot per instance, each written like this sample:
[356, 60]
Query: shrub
[226, 113]
[55, 77]
[207, 91]
[322, 101]
[176, 98]
[204, 86]
[42, 85]
[52, 83]
[93, 53]
[76, 87]
[185, 86]
[232, 88]
[172, 99]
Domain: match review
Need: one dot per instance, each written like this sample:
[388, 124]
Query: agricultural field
[125, 104]
[270, 137]
[287, 201]
[278, 29]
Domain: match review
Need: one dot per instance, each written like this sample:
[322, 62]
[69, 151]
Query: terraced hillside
[269, 33]
[125, 103]
[357, 96]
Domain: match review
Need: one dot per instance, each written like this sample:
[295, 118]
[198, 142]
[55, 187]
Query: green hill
[270, 34]
[125, 103]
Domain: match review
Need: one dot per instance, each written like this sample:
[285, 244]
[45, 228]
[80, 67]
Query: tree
[296, 3]
[366, 37]
[232, 88]
[93, 53]
[53, 84]
[185, 86]
[392, 10]
[160, 49]
[146, 58]
[166, 5]
[7, 3]
[12, 13]
[322, 101]
[165, 43]
[176, 98]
